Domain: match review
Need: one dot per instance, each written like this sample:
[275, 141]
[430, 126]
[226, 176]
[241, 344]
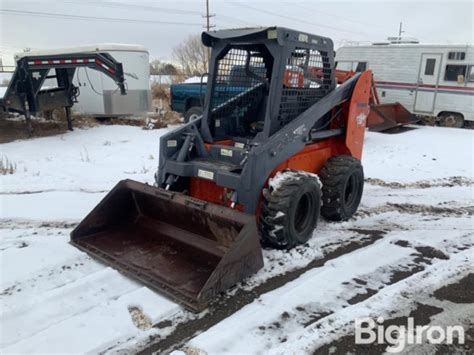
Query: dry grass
[160, 91]
[7, 167]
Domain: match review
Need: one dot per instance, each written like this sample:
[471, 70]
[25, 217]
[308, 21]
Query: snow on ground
[56, 298]
[425, 153]
[49, 289]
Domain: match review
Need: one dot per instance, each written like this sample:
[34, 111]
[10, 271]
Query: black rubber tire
[290, 213]
[451, 119]
[343, 183]
[192, 113]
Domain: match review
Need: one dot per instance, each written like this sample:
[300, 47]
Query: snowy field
[413, 234]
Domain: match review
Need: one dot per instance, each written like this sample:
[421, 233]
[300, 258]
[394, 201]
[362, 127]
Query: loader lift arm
[25, 96]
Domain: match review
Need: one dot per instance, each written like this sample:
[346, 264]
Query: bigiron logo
[369, 331]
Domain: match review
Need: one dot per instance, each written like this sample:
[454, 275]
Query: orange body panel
[209, 191]
[359, 110]
[314, 155]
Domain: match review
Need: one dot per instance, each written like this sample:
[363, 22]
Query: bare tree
[155, 66]
[192, 56]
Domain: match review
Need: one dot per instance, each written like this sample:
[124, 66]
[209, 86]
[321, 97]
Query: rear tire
[192, 114]
[290, 211]
[343, 183]
[451, 119]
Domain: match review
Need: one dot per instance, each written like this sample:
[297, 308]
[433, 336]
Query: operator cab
[251, 96]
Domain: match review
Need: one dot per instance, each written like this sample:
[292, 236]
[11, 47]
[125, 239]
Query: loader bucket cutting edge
[188, 249]
[384, 117]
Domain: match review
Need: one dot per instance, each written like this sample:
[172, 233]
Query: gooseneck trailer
[26, 95]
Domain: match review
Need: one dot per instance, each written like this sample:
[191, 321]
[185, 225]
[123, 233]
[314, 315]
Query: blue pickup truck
[187, 98]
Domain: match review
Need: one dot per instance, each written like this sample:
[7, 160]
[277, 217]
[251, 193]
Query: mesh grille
[307, 79]
[239, 86]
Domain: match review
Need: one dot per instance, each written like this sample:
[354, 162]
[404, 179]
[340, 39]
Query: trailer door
[428, 78]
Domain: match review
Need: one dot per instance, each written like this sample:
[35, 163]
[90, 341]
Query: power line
[79, 17]
[120, 5]
[336, 16]
[298, 19]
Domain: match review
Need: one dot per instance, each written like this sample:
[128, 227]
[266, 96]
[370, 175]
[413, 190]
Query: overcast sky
[160, 24]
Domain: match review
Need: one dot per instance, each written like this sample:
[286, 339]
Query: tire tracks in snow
[277, 319]
[422, 184]
[409, 208]
[413, 299]
[34, 192]
[15, 223]
[228, 305]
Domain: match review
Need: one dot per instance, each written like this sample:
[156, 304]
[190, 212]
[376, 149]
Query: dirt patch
[431, 253]
[10, 290]
[139, 319]
[11, 130]
[163, 324]
[360, 282]
[466, 348]
[362, 296]
[423, 184]
[314, 317]
[403, 243]
[226, 306]
[399, 275]
[346, 344]
[459, 292]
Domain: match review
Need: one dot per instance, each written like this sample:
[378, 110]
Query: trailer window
[430, 66]
[344, 65]
[453, 71]
[470, 76]
[457, 55]
[361, 66]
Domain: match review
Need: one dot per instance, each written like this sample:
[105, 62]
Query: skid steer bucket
[186, 248]
[384, 117]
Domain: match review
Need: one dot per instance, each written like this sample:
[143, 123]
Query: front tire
[192, 114]
[290, 209]
[343, 183]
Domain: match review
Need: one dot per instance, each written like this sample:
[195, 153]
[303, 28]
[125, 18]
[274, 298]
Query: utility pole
[400, 31]
[208, 27]
[208, 17]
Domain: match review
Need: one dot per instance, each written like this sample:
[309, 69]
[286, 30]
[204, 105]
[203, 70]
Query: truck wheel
[290, 209]
[343, 183]
[192, 114]
[451, 119]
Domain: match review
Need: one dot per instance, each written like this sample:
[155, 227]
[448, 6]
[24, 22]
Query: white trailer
[435, 81]
[99, 95]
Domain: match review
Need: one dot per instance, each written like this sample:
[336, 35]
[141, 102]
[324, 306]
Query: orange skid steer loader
[276, 147]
